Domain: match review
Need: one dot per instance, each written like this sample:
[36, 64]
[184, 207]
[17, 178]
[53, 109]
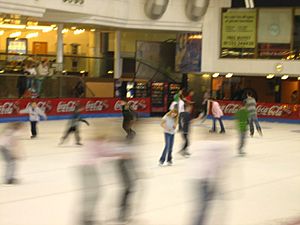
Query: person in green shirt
[242, 116]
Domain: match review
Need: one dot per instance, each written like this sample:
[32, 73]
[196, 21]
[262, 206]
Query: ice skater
[73, 126]
[207, 167]
[242, 116]
[217, 114]
[169, 123]
[185, 121]
[251, 107]
[35, 113]
[10, 151]
[96, 149]
[129, 117]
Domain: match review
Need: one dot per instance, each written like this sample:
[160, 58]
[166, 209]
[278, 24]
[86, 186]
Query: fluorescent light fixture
[15, 34]
[93, 30]
[110, 72]
[228, 75]
[206, 75]
[82, 71]
[1, 32]
[53, 25]
[47, 29]
[215, 75]
[73, 28]
[270, 76]
[32, 35]
[284, 77]
[12, 26]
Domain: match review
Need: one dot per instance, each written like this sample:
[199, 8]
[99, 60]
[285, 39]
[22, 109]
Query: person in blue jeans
[169, 123]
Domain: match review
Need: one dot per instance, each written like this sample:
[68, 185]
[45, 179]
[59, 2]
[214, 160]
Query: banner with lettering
[239, 28]
[9, 108]
[264, 110]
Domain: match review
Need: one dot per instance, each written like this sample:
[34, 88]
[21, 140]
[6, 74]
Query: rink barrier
[269, 112]
[59, 109]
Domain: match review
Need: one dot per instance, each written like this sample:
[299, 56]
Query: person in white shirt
[42, 71]
[34, 117]
[10, 151]
[30, 71]
[206, 169]
[169, 123]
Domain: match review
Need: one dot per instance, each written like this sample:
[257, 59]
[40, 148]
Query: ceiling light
[73, 28]
[93, 30]
[12, 26]
[1, 32]
[215, 75]
[53, 25]
[79, 31]
[228, 75]
[284, 77]
[32, 35]
[15, 34]
[270, 76]
[206, 75]
[65, 31]
[298, 78]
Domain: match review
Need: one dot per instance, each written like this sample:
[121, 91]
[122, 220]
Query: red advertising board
[265, 110]
[65, 106]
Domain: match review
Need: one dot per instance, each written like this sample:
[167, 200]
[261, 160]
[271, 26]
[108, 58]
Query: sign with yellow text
[239, 29]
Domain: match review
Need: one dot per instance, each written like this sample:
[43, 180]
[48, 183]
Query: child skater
[35, 113]
[217, 114]
[9, 150]
[73, 126]
[185, 121]
[169, 123]
[242, 124]
[129, 118]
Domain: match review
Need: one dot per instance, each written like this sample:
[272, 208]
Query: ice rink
[262, 188]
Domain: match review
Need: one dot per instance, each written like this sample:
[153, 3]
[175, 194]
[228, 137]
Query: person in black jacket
[129, 117]
[73, 126]
[185, 121]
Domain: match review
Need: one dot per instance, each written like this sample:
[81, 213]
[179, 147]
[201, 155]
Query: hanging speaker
[154, 9]
[196, 9]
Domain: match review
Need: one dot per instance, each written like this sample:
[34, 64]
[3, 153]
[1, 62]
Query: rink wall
[62, 108]
[271, 112]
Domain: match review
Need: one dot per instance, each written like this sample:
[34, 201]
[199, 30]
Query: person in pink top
[97, 150]
[217, 114]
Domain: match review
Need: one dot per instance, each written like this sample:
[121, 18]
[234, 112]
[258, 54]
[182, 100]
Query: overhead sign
[239, 29]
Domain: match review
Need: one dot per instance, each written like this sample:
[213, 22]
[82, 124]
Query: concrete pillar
[60, 47]
[97, 53]
[117, 56]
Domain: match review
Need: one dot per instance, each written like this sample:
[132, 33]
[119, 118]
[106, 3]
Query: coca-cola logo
[45, 106]
[133, 104]
[274, 110]
[230, 108]
[92, 106]
[8, 108]
[66, 106]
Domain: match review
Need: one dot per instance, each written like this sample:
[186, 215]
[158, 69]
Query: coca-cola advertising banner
[65, 106]
[265, 110]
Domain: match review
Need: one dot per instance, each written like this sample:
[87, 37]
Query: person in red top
[189, 97]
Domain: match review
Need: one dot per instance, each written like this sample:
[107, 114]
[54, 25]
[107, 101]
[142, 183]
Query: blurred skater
[169, 123]
[242, 124]
[35, 113]
[205, 101]
[206, 169]
[129, 118]
[251, 107]
[73, 126]
[95, 150]
[186, 119]
[10, 151]
[217, 114]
